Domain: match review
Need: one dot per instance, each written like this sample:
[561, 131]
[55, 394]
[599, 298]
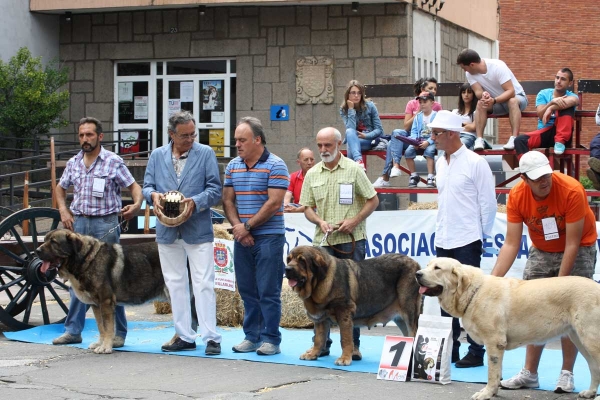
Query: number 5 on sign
[395, 358]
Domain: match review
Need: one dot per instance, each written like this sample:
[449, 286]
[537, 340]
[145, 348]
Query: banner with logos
[411, 232]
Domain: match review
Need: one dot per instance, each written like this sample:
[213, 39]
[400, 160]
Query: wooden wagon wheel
[27, 296]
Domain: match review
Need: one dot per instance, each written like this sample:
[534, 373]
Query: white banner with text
[412, 232]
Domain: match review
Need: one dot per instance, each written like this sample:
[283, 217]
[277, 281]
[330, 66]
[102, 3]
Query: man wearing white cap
[562, 228]
[466, 210]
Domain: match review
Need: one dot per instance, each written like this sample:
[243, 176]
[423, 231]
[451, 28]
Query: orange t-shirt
[567, 203]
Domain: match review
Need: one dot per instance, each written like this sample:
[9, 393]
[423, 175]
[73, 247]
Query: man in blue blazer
[190, 168]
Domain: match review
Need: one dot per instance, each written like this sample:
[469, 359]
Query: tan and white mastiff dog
[506, 313]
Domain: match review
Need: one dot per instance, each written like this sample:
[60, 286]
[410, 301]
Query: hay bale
[162, 307]
[422, 206]
[230, 308]
[221, 232]
[434, 205]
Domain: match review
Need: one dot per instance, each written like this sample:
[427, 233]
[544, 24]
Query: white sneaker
[566, 383]
[479, 144]
[510, 145]
[524, 379]
[381, 183]
[395, 172]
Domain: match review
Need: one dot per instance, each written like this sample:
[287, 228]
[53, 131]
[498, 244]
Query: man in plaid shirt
[344, 198]
[97, 176]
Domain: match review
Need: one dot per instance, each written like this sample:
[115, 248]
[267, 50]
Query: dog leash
[123, 224]
[326, 239]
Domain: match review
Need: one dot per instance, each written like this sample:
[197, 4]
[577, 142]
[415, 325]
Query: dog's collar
[471, 299]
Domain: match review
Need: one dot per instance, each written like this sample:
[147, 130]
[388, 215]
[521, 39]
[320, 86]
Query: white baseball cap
[447, 120]
[534, 164]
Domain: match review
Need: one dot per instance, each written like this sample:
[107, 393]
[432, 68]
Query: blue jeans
[355, 146]
[411, 152]
[394, 151]
[96, 227]
[469, 254]
[468, 140]
[259, 273]
[357, 255]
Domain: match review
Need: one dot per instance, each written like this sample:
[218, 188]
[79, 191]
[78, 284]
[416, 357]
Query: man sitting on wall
[552, 130]
[498, 91]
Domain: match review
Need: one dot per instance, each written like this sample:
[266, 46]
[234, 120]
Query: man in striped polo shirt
[344, 198]
[255, 184]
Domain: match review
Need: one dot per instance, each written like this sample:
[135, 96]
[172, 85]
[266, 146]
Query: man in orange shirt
[562, 228]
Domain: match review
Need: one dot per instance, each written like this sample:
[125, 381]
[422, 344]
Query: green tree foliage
[32, 97]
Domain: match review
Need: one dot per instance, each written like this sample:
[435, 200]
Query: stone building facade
[374, 46]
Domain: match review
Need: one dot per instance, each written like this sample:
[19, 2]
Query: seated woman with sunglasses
[362, 121]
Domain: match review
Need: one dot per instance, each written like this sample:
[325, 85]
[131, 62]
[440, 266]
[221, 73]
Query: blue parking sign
[280, 112]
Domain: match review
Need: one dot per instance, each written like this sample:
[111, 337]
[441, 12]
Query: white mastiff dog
[506, 313]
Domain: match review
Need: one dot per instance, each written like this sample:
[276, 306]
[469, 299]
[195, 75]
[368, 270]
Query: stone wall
[454, 39]
[371, 46]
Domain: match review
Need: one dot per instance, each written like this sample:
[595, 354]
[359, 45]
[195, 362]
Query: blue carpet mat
[147, 337]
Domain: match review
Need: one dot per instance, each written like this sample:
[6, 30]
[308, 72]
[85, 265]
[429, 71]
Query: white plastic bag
[432, 351]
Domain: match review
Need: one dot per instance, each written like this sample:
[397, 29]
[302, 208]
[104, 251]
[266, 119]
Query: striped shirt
[322, 189]
[251, 187]
[107, 166]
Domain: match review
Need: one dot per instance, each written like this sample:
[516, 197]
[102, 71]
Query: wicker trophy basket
[173, 211]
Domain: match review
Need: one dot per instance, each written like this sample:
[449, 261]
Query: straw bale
[434, 205]
[230, 308]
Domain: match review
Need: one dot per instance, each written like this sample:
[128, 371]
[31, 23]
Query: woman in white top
[466, 109]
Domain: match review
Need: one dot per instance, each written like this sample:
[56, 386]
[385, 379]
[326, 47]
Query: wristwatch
[247, 226]
[494, 100]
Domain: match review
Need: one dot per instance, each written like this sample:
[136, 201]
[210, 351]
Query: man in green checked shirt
[344, 198]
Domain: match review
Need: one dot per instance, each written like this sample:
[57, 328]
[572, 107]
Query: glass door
[207, 98]
[134, 108]
[211, 124]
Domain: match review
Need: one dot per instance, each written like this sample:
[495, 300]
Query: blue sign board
[280, 112]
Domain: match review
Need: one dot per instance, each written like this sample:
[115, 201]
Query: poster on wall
[212, 95]
[140, 107]
[186, 90]
[174, 106]
[217, 116]
[125, 92]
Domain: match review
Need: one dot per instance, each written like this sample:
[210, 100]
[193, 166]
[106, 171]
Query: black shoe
[470, 361]
[212, 348]
[179, 345]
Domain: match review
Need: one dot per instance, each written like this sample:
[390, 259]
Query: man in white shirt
[466, 210]
[498, 91]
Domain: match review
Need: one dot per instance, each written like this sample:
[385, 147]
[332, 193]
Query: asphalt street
[32, 371]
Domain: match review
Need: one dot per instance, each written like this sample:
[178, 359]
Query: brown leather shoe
[356, 356]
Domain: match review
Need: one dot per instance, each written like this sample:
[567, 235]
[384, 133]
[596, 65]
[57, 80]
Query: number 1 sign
[395, 358]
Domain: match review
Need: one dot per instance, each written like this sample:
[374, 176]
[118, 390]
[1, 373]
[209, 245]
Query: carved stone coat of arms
[314, 80]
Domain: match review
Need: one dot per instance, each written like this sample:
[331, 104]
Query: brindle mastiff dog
[104, 275]
[349, 293]
[506, 313]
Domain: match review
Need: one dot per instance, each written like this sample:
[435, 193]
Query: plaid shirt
[322, 189]
[107, 166]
